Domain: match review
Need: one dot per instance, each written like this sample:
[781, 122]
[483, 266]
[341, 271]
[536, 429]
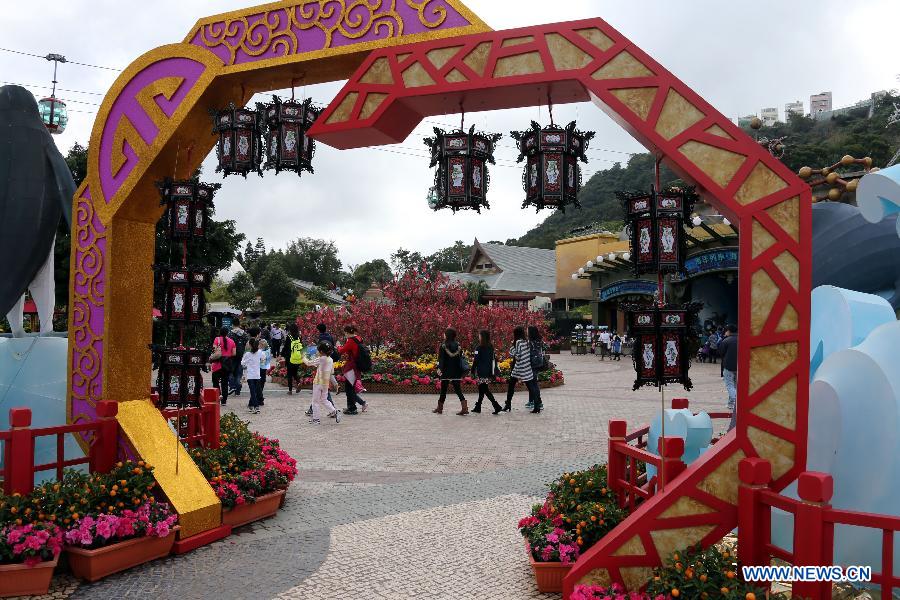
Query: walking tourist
[484, 366]
[222, 362]
[604, 343]
[522, 371]
[251, 361]
[292, 352]
[277, 335]
[713, 343]
[322, 383]
[451, 366]
[256, 333]
[617, 347]
[728, 350]
[325, 336]
[350, 351]
[240, 344]
[536, 346]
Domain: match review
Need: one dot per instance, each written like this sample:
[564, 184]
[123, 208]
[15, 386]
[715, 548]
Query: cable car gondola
[53, 113]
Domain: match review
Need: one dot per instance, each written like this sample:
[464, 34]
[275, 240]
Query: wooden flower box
[264, 507]
[22, 580]
[97, 563]
[548, 575]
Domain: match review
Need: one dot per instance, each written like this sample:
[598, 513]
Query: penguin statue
[36, 187]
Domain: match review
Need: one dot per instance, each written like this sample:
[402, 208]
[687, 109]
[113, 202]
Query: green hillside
[809, 143]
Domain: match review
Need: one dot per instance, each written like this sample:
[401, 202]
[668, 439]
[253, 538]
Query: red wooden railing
[198, 426]
[814, 521]
[18, 447]
[629, 450]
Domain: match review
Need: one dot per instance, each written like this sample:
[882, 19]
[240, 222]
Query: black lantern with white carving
[179, 381]
[240, 140]
[655, 224]
[660, 353]
[185, 301]
[188, 204]
[287, 146]
[552, 175]
[462, 179]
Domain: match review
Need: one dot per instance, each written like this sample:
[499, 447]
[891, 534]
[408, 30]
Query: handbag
[464, 364]
[216, 354]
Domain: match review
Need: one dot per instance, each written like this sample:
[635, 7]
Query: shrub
[95, 531]
[704, 574]
[30, 544]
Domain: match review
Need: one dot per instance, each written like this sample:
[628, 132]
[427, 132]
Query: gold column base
[188, 491]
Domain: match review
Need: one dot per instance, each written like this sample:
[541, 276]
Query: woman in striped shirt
[522, 371]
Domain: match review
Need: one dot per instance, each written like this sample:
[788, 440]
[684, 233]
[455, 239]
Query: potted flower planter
[97, 563]
[264, 507]
[548, 575]
[21, 580]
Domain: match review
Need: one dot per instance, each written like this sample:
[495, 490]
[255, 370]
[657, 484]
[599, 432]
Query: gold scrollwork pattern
[87, 305]
[276, 33]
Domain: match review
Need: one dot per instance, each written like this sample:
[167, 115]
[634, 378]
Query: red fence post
[105, 446]
[815, 491]
[211, 415]
[671, 458]
[615, 465]
[19, 457]
[754, 516]
[678, 403]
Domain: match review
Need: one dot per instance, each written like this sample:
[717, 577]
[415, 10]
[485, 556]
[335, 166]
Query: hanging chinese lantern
[185, 302]
[462, 178]
[179, 382]
[187, 207]
[660, 334]
[655, 223]
[240, 140]
[287, 146]
[552, 175]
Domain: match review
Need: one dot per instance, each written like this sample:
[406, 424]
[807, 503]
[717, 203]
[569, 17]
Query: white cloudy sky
[741, 55]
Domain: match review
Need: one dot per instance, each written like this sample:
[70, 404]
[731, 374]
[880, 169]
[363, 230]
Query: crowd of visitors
[240, 356]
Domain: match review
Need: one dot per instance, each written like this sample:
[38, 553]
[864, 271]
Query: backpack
[364, 359]
[297, 350]
[539, 361]
[240, 343]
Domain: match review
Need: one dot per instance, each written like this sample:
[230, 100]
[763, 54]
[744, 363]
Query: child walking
[322, 383]
[251, 362]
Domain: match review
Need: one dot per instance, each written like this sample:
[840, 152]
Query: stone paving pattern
[401, 503]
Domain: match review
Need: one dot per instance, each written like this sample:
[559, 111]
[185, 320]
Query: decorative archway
[154, 123]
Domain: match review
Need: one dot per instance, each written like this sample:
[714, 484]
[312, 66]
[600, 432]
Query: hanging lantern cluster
[462, 179]
[185, 302]
[180, 381]
[240, 149]
[188, 205]
[287, 146]
[552, 175]
[661, 333]
[281, 124]
[655, 223]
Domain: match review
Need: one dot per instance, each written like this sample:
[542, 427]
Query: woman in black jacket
[484, 367]
[450, 369]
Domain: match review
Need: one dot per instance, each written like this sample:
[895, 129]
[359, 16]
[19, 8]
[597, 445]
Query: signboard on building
[717, 259]
[627, 287]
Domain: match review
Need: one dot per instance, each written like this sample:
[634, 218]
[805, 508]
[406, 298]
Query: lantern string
[550, 106]
[462, 117]
[293, 87]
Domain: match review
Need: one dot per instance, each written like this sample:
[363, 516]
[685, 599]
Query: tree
[277, 291]
[218, 290]
[373, 271]
[476, 290]
[313, 260]
[241, 292]
[405, 260]
[453, 258]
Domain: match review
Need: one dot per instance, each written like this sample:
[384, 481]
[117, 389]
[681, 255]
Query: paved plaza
[401, 503]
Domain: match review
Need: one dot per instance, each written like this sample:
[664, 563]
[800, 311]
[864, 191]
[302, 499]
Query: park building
[513, 276]
[710, 275]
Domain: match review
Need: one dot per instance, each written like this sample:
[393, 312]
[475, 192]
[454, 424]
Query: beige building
[571, 254]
